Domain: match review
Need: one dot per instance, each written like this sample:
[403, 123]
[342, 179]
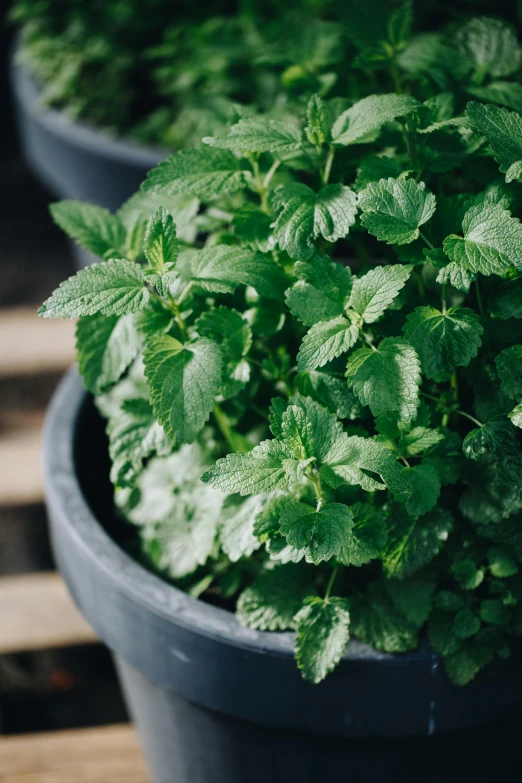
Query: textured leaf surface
[374, 292]
[267, 468]
[377, 622]
[491, 44]
[394, 209]
[111, 288]
[491, 241]
[387, 379]
[161, 245]
[183, 381]
[413, 597]
[202, 173]
[222, 268]
[236, 528]
[509, 368]
[506, 300]
[322, 291]
[368, 115]
[305, 216]
[323, 630]
[258, 135]
[105, 347]
[356, 460]
[91, 227]
[271, 602]
[444, 341]
[325, 341]
[321, 534]
[413, 543]
[369, 535]
[501, 128]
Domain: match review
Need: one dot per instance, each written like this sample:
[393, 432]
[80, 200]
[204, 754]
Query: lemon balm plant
[313, 385]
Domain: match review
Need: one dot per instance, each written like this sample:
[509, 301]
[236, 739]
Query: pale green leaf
[323, 630]
[394, 209]
[326, 340]
[202, 173]
[105, 346]
[368, 115]
[91, 227]
[387, 379]
[418, 440]
[501, 128]
[114, 287]
[491, 44]
[183, 381]
[322, 291]
[161, 245]
[356, 460]
[236, 527]
[267, 468]
[320, 533]
[259, 135]
[271, 602]
[222, 268]
[374, 292]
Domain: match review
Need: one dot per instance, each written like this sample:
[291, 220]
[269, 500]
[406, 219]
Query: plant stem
[330, 584]
[405, 461]
[443, 295]
[471, 418]
[185, 292]
[479, 299]
[425, 239]
[223, 426]
[270, 173]
[260, 186]
[328, 166]
[369, 342]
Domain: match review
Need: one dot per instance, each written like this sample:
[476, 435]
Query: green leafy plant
[166, 73]
[306, 339]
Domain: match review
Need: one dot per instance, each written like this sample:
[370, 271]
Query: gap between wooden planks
[30, 345]
[102, 755]
[37, 613]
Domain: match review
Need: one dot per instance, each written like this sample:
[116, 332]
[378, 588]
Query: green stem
[471, 418]
[426, 240]
[270, 173]
[223, 426]
[443, 295]
[260, 186]
[405, 461]
[330, 584]
[369, 342]
[328, 165]
[479, 299]
[185, 292]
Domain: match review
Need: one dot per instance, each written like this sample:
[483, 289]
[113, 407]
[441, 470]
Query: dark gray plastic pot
[74, 160]
[215, 702]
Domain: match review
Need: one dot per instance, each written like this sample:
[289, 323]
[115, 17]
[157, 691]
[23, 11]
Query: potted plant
[313, 411]
[104, 89]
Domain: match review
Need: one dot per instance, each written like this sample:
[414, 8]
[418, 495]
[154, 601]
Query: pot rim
[95, 139]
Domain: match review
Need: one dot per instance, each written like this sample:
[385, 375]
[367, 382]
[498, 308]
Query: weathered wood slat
[32, 345]
[36, 612]
[102, 755]
[21, 479]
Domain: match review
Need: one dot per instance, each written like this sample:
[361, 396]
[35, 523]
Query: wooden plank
[37, 613]
[21, 479]
[32, 345]
[110, 754]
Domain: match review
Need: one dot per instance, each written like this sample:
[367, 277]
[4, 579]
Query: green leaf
[320, 533]
[321, 292]
[161, 246]
[134, 435]
[373, 168]
[267, 468]
[325, 428]
[418, 440]
[465, 663]
[305, 216]
[502, 563]
[377, 622]
[233, 335]
[440, 630]
[105, 346]
[502, 129]
[491, 44]
[444, 341]
[509, 368]
[236, 527]
[506, 300]
[369, 115]
[114, 287]
[330, 391]
[326, 340]
[271, 602]
[222, 268]
[258, 135]
[374, 292]
[493, 611]
[394, 209]
[456, 276]
[202, 173]
[355, 460]
[413, 596]
[387, 379]
[467, 574]
[318, 127]
[323, 630]
[507, 94]
[494, 437]
[183, 381]
[425, 489]
[413, 543]
[369, 535]
[252, 226]
[516, 416]
[399, 25]
[91, 227]
[466, 624]
[296, 432]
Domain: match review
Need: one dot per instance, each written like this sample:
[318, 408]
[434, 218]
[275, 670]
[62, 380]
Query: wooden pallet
[36, 612]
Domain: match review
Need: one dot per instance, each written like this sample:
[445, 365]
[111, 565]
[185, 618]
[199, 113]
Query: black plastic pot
[216, 702]
[74, 160]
